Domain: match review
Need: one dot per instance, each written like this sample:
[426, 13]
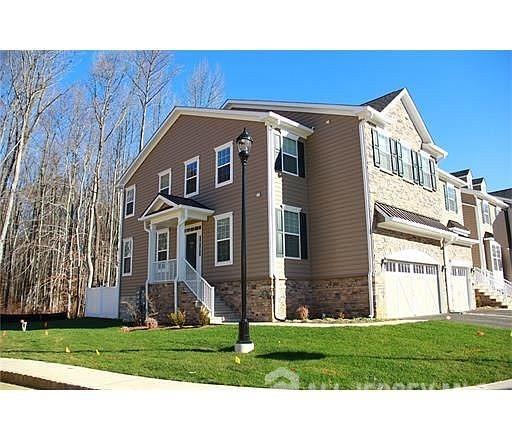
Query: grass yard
[430, 354]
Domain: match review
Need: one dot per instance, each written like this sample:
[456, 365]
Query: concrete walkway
[51, 376]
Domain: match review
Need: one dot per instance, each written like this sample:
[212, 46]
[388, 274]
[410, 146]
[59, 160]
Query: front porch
[174, 227]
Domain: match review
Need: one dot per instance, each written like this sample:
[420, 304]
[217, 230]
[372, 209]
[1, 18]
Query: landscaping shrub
[204, 316]
[178, 318]
[302, 313]
[151, 323]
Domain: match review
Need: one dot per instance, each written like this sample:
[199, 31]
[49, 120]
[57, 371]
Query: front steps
[485, 299]
[225, 312]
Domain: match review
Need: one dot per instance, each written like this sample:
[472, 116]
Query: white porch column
[180, 245]
[151, 250]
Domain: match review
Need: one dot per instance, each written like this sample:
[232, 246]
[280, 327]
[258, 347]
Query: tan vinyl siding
[333, 197]
[192, 136]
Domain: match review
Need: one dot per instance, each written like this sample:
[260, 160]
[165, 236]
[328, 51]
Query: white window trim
[220, 217]
[385, 133]
[451, 186]
[282, 134]
[125, 202]
[157, 233]
[123, 273]
[484, 203]
[164, 173]
[217, 149]
[408, 150]
[426, 156]
[296, 210]
[196, 192]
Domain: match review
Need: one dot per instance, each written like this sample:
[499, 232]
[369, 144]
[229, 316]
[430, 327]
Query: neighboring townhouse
[503, 230]
[347, 213]
[484, 216]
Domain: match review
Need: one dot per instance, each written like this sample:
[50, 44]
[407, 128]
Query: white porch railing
[162, 271]
[199, 286]
[501, 288]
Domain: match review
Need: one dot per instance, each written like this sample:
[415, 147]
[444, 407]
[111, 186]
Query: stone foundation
[259, 298]
[297, 293]
[161, 301]
[340, 295]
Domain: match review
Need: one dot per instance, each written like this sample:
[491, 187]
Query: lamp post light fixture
[244, 344]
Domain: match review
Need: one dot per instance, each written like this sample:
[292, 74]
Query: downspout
[368, 219]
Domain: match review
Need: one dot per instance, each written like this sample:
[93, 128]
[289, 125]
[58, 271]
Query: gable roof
[478, 180]
[164, 202]
[242, 115]
[461, 173]
[382, 102]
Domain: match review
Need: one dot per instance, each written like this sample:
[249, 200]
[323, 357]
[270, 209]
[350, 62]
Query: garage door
[459, 289]
[411, 289]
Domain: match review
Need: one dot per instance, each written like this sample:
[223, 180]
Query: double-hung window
[289, 153]
[381, 150]
[129, 201]
[224, 239]
[164, 182]
[450, 197]
[425, 168]
[127, 256]
[291, 233]
[192, 177]
[407, 163]
[224, 165]
[486, 215]
[497, 264]
[162, 245]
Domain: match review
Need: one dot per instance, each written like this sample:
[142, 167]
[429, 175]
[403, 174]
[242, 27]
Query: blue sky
[465, 97]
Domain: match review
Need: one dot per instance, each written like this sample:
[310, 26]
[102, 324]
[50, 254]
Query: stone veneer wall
[259, 297]
[161, 301]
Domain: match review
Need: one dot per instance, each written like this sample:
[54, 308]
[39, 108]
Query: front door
[193, 249]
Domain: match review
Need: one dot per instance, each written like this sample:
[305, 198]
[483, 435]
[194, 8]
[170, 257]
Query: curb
[37, 383]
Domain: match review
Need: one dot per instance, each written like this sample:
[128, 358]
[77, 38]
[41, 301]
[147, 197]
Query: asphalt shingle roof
[382, 102]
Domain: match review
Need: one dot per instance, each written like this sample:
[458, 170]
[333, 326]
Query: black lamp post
[244, 343]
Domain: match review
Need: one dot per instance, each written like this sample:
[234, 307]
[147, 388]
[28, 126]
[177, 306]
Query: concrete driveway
[490, 317]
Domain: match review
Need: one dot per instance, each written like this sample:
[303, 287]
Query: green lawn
[436, 353]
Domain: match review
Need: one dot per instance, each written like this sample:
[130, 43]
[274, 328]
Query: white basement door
[459, 289]
[411, 289]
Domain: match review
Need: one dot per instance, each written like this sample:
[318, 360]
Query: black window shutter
[415, 168]
[303, 237]
[279, 161]
[420, 168]
[302, 165]
[375, 145]
[394, 155]
[400, 159]
[433, 174]
[446, 204]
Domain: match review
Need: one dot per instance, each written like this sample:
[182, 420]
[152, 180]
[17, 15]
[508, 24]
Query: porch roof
[164, 203]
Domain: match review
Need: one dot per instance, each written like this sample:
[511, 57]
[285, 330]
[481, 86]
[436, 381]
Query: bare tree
[152, 73]
[205, 87]
[109, 109]
[31, 77]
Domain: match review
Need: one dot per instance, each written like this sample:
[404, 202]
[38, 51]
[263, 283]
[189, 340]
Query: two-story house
[503, 230]
[484, 216]
[348, 213]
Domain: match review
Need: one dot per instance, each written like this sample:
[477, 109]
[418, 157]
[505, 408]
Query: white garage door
[411, 289]
[459, 289]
